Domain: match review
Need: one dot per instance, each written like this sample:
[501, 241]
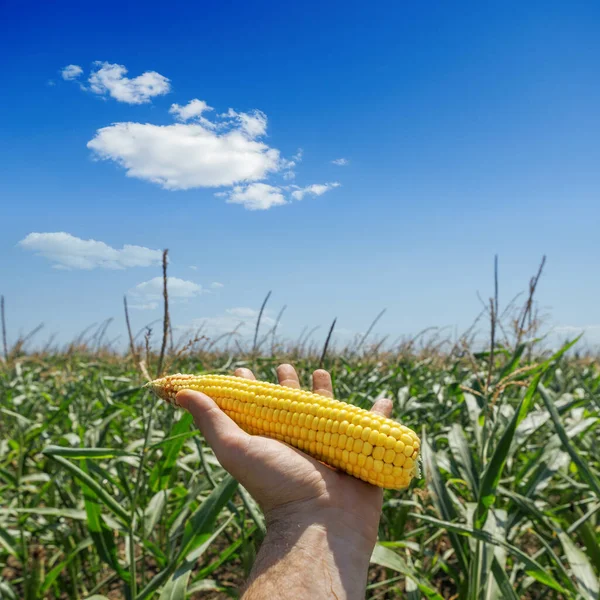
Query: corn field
[108, 493]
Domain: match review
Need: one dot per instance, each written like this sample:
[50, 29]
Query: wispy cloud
[147, 306]
[340, 162]
[216, 285]
[256, 196]
[69, 252]
[71, 72]
[254, 123]
[577, 329]
[177, 288]
[316, 189]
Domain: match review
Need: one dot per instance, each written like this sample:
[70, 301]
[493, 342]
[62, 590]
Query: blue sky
[466, 130]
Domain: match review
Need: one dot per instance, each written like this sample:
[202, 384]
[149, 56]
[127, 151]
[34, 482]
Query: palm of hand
[279, 476]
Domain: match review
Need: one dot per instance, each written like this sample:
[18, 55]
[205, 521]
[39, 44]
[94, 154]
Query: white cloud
[111, 79]
[253, 124]
[147, 306]
[215, 285]
[196, 152]
[177, 288]
[185, 156]
[193, 109]
[69, 252]
[340, 162]
[256, 196]
[193, 267]
[71, 72]
[316, 189]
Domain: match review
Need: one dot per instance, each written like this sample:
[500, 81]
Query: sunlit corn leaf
[176, 587]
[584, 526]
[474, 412]
[6, 591]
[153, 511]
[69, 513]
[390, 560]
[463, 457]
[209, 585]
[585, 576]
[8, 542]
[585, 472]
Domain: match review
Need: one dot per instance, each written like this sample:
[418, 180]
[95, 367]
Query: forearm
[307, 558]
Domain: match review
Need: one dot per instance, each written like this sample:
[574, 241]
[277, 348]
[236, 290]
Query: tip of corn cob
[365, 445]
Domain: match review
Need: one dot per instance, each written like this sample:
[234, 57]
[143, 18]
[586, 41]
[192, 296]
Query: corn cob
[363, 444]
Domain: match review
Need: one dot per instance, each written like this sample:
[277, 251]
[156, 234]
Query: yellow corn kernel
[378, 452]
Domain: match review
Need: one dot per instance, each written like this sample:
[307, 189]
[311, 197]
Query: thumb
[228, 441]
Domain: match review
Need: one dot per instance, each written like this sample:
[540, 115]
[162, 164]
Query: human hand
[311, 509]
[280, 477]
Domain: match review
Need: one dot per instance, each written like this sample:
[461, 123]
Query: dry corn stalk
[365, 445]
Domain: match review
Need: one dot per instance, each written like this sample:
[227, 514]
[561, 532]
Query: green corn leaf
[532, 567]
[390, 560]
[462, 455]
[176, 587]
[83, 453]
[60, 567]
[585, 576]
[161, 473]
[202, 520]
[101, 535]
[197, 525]
[506, 587]
[586, 473]
[94, 486]
[441, 498]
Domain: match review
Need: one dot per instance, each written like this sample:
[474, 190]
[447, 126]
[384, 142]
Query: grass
[108, 493]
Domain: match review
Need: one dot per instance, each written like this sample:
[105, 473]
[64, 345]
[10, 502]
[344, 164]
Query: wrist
[314, 549]
[309, 559]
[356, 532]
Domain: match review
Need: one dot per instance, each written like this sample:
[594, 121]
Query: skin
[321, 523]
